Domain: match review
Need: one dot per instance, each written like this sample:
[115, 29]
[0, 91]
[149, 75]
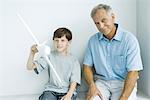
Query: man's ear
[113, 16]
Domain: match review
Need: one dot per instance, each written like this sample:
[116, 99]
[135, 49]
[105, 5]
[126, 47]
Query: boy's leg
[74, 97]
[47, 95]
[60, 95]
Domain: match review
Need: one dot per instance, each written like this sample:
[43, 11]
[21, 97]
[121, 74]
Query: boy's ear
[69, 42]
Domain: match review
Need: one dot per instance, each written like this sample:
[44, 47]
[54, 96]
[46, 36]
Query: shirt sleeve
[134, 62]
[76, 72]
[88, 60]
[41, 64]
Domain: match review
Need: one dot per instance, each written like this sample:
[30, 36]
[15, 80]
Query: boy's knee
[47, 95]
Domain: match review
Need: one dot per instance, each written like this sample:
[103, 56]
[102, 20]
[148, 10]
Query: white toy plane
[43, 49]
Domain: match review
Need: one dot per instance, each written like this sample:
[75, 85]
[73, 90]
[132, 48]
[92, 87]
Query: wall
[43, 17]
[143, 34]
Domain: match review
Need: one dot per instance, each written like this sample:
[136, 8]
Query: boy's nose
[59, 42]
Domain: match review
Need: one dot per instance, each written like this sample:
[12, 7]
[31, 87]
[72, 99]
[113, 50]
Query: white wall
[143, 34]
[44, 16]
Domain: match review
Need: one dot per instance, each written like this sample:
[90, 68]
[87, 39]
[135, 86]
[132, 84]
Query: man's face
[104, 21]
[61, 44]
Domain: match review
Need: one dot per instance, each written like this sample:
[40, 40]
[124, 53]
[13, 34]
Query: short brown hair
[60, 32]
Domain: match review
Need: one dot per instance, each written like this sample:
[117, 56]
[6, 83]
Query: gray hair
[107, 8]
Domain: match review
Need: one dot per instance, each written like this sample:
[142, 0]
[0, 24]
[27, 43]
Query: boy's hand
[66, 97]
[34, 49]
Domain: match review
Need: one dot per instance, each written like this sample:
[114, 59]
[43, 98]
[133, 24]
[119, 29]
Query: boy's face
[61, 44]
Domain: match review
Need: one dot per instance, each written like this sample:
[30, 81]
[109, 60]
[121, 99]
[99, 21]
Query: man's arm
[88, 74]
[93, 91]
[129, 85]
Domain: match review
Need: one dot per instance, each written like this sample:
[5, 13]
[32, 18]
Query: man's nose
[101, 25]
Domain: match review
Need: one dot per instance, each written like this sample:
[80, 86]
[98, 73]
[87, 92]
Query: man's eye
[104, 20]
[97, 23]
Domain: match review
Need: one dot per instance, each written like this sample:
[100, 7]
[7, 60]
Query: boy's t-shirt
[67, 68]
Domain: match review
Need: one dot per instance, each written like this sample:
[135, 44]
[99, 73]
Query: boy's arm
[30, 64]
[72, 88]
[70, 92]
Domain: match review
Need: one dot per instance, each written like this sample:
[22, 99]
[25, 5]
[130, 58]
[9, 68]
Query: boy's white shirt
[63, 71]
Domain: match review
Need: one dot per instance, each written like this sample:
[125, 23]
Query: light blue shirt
[112, 59]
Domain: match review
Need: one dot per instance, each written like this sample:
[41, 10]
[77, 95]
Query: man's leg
[103, 88]
[133, 95]
[116, 90]
[97, 98]
[47, 95]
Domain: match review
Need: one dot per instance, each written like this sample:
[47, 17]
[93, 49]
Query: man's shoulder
[94, 36]
[129, 36]
[129, 39]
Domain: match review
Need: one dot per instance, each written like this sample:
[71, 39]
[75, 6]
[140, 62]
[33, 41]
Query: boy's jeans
[50, 95]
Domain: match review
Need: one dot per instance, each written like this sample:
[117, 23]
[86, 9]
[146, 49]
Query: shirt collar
[118, 35]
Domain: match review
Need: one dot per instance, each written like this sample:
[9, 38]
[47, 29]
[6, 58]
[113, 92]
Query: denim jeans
[50, 95]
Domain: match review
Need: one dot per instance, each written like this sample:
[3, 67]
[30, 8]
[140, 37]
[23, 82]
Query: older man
[114, 53]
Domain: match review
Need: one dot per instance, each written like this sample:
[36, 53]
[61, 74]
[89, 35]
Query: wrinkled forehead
[100, 14]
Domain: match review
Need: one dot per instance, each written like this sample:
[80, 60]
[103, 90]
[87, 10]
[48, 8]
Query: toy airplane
[43, 49]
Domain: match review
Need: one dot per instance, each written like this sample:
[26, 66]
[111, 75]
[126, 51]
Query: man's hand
[129, 85]
[93, 91]
[122, 98]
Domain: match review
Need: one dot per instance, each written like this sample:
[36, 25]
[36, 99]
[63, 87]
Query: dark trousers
[50, 95]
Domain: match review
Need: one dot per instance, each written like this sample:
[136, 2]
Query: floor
[141, 96]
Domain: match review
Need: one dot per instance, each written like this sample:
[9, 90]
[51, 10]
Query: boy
[66, 66]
